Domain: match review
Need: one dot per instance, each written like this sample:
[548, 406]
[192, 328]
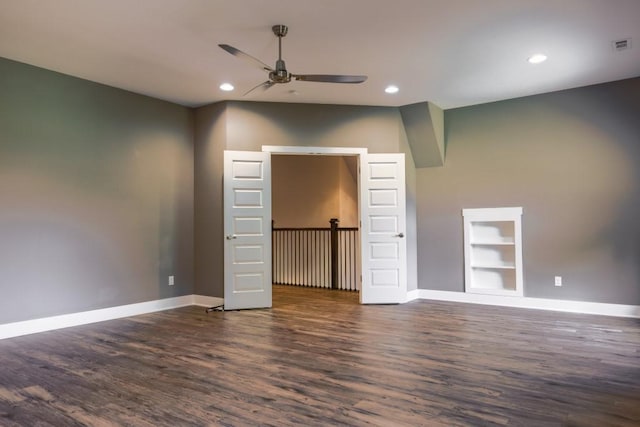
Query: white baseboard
[205, 301]
[414, 294]
[9, 330]
[619, 310]
[26, 327]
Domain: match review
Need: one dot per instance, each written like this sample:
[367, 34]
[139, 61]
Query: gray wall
[96, 195]
[209, 138]
[412, 224]
[247, 126]
[570, 159]
[99, 189]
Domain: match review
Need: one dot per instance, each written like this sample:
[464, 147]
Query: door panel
[383, 211]
[247, 226]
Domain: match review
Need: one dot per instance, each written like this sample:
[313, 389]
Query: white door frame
[324, 151]
[328, 151]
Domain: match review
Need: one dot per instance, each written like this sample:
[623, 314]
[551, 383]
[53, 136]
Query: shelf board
[493, 243]
[494, 267]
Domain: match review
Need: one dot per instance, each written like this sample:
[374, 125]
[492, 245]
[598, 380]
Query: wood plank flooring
[320, 359]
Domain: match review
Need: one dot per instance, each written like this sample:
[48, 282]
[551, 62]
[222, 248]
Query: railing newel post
[334, 252]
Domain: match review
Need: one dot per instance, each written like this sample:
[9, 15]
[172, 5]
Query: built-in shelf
[493, 251]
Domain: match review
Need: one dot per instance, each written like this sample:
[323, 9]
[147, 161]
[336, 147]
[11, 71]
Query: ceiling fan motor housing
[280, 74]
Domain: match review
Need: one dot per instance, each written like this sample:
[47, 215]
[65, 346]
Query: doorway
[247, 223]
[315, 216]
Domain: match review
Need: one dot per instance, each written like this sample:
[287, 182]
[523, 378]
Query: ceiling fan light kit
[280, 74]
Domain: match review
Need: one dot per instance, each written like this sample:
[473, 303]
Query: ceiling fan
[280, 73]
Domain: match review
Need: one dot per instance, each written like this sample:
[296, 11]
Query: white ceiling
[450, 52]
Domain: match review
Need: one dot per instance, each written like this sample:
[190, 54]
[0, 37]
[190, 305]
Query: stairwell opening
[315, 230]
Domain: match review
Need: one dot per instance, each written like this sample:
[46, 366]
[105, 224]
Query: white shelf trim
[491, 214]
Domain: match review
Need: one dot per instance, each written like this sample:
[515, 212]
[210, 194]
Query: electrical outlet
[558, 281]
[171, 280]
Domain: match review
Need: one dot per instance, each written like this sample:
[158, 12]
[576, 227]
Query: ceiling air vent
[619, 45]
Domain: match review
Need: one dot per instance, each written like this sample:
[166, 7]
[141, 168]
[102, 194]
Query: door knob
[231, 236]
[400, 235]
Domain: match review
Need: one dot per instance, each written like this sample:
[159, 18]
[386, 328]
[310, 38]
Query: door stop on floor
[215, 308]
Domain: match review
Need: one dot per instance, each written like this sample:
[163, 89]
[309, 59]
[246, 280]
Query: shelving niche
[493, 251]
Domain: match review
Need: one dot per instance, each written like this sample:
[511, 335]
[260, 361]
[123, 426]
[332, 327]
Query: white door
[384, 247]
[247, 229]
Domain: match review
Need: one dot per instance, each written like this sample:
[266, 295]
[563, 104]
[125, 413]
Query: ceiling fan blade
[264, 86]
[240, 54]
[329, 78]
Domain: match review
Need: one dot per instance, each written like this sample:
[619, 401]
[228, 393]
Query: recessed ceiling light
[537, 58]
[227, 87]
[392, 89]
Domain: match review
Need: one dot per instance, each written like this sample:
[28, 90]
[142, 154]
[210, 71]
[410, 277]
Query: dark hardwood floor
[320, 359]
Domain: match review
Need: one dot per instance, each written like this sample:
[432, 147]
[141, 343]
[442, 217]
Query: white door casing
[247, 230]
[383, 228]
